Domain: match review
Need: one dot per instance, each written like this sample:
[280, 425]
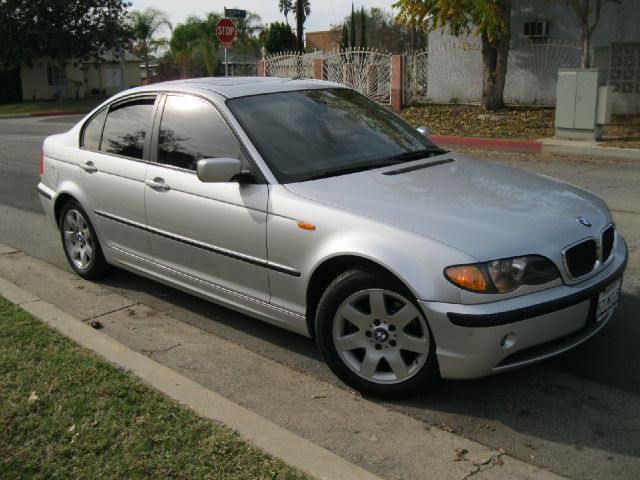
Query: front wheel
[80, 242]
[373, 336]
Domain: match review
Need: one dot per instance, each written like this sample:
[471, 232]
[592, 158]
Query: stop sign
[226, 31]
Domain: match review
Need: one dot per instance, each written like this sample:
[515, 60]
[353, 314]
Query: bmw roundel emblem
[584, 221]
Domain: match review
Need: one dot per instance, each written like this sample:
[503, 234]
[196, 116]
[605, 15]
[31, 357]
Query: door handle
[158, 184]
[89, 167]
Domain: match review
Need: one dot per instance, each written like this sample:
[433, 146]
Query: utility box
[582, 104]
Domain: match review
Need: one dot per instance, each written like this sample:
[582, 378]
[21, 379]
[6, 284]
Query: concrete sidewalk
[327, 431]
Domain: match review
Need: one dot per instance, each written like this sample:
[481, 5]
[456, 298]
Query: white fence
[452, 73]
[367, 71]
[444, 73]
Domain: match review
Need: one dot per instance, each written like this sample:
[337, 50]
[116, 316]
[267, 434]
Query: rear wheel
[80, 242]
[373, 335]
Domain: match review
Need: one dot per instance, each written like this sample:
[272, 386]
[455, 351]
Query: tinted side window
[192, 129]
[93, 131]
[126, 127]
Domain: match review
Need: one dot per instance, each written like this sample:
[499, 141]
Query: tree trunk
[495, 55]
[585, 41]
[299, 24]
[146, 70]
[494, 72]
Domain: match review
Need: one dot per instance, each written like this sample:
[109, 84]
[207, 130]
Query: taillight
[42, 162]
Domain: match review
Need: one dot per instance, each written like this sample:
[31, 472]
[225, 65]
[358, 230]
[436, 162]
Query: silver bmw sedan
[306, 205]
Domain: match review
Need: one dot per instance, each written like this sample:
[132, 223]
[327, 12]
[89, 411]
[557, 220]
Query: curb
[512, 145]
[578, 149]
[593, 151]
[273, 439]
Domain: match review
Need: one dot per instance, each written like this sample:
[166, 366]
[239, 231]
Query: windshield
[308, 134]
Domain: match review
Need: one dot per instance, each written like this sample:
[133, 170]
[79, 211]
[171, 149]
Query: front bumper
[477, 340]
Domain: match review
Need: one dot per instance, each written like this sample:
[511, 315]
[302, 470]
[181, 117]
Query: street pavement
[576, 415]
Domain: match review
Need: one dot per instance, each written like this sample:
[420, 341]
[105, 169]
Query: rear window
[126, 128]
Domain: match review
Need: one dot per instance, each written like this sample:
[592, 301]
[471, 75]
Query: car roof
[232, 87]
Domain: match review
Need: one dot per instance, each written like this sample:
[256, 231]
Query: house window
[536, 29]
[53, 75]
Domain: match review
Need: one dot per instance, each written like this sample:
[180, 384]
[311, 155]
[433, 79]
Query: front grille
[607, 242]
[581, 258]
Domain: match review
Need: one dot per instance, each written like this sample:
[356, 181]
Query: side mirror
[423, 130]
[216, 170]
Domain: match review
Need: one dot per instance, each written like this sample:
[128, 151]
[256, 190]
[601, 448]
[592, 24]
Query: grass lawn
[527, 123]
[65, 413]
[52, 106]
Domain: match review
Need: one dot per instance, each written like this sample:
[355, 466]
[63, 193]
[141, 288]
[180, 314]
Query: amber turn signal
[467, 276]
[305, 225]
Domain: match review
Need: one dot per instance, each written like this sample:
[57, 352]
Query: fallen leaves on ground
[525, 123]
[520, 122]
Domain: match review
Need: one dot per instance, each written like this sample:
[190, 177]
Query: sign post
[226, 33]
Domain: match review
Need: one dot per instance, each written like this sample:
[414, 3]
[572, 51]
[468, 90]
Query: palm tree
[285, 6]
[145, 26]
[306, 9]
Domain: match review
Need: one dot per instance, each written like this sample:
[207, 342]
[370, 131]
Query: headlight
[504, 275]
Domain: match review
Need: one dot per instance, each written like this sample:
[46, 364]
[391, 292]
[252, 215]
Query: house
[325, 41]
[545, 37]
[105, 74]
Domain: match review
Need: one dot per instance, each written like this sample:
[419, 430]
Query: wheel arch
[327, 271]
[69, 191]
[61, 199]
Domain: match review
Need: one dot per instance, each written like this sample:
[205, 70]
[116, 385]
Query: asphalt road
[577, 415]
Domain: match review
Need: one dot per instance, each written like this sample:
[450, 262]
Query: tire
[80, 242]
[373, 335]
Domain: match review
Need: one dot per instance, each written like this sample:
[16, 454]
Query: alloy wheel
[78, 239]
[381, 336]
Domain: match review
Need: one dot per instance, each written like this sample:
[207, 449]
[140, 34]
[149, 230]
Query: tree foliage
[145, 28]
[489, 19]
[59, 29]
[285, 7]
[193, 47]
[278, 37]
[381, 32]
[461, 17]
[306, 9]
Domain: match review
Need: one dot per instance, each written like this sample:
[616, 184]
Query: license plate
[608, 299]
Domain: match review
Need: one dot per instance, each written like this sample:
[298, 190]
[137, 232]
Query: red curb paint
[57, 114]
[489, 143]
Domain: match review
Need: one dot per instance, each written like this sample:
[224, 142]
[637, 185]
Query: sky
[324, 13]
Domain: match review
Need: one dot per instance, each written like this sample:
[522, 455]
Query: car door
[113, 161]
[212, 232]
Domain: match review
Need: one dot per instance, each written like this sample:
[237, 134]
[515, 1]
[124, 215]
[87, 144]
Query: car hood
[486, 210]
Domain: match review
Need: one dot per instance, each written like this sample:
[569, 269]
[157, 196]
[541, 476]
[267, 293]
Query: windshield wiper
[360, 168]
[418, 154]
